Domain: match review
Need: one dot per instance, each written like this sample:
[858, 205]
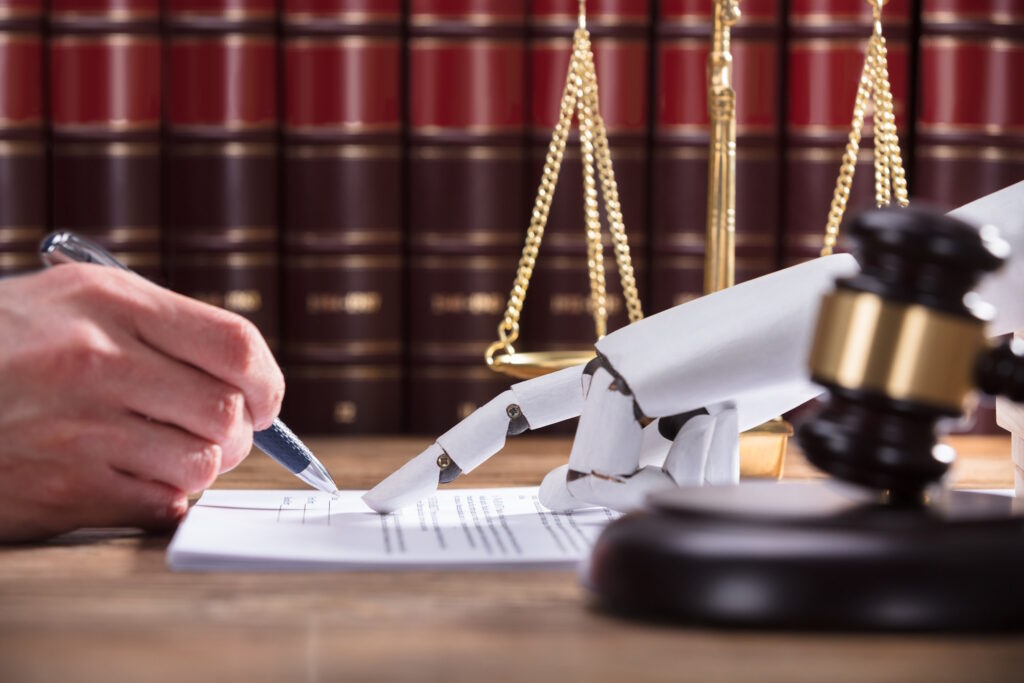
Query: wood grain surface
[101, 605]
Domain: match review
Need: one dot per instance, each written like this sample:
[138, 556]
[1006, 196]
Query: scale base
[815, 556]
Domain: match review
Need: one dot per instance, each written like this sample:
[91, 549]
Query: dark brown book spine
[825, 54]
[342, 230]
[970, 122]
[467, 206]
[558, 312]
[221, 127]
[680, 156]
[105, 98]
[22, 136]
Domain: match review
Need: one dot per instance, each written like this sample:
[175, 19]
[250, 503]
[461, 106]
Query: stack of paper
[491, 528]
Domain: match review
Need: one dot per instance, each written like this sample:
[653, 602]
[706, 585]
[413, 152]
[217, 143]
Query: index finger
[219, 342]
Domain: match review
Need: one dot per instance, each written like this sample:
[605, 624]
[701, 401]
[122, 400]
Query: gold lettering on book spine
[345, 412]
[350, 303]
[474, 303]
[237, 300]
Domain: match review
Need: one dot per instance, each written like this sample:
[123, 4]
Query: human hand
[118, 398]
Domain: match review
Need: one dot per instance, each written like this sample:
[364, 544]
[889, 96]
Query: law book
[558, 314]
[466, 200]
[23, 165]
[827, 41]
[342, 306]
[679, 187]
[970, 123]
[105, 102]
[970, 118]
[221, 128]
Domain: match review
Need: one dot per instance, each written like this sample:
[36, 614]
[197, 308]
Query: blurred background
[356, 176]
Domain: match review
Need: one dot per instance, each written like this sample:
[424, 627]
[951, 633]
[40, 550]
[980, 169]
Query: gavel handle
[1000, 371]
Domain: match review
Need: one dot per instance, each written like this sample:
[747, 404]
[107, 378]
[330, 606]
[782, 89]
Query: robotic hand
[660, 406]
[664, 401]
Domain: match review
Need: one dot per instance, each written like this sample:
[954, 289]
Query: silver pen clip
[64, 246]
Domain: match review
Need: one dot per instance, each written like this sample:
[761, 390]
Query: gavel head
[898, 348]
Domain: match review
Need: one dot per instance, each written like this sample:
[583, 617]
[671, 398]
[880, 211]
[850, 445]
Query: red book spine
[970, 121]
[342, 230]
[828, 39]
[467, 204]
[22, 136]
[680, 157]
[557, 312]
[105, 100]
[221, 125]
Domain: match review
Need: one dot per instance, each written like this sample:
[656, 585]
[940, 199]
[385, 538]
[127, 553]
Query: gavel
[901, 346]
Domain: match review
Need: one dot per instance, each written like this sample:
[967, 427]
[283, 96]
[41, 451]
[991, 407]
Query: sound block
[815, 556]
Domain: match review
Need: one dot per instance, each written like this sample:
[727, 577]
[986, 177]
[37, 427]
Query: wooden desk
[102, 605]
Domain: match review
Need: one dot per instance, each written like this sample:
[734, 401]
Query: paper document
[456, 528]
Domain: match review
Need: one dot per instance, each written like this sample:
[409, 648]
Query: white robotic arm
[700, 366]
[663, 403]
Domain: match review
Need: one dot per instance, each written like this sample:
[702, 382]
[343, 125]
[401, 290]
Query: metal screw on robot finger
[444, 461]
[513, 412]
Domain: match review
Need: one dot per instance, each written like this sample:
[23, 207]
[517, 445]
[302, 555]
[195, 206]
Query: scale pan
[535, 364]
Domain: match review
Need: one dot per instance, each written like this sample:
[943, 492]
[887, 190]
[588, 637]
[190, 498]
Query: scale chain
[613, 210]
[585, 94]
[579, 97]
[508, 328]
[890, 179]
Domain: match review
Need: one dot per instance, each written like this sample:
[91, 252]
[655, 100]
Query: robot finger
[527, 405]
[414, 480]
[608, 436]
[723, 465]
[687, 458]
[554, 492]
[654, 446]
[621, 493]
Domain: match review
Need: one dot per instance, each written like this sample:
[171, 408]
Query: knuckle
[277, 387]
[177, 508]
[76, 278]
[57, 488]
[234, 451]
[168, 507]
[90, 282]
[276, 392]
[88, 350]
[232, 428]
[204, 466]
[243, 345]
[227, 415]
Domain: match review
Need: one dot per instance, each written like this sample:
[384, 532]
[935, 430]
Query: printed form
[455, 528]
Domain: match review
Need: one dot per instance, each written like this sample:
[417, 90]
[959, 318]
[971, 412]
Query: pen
[277, 441]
